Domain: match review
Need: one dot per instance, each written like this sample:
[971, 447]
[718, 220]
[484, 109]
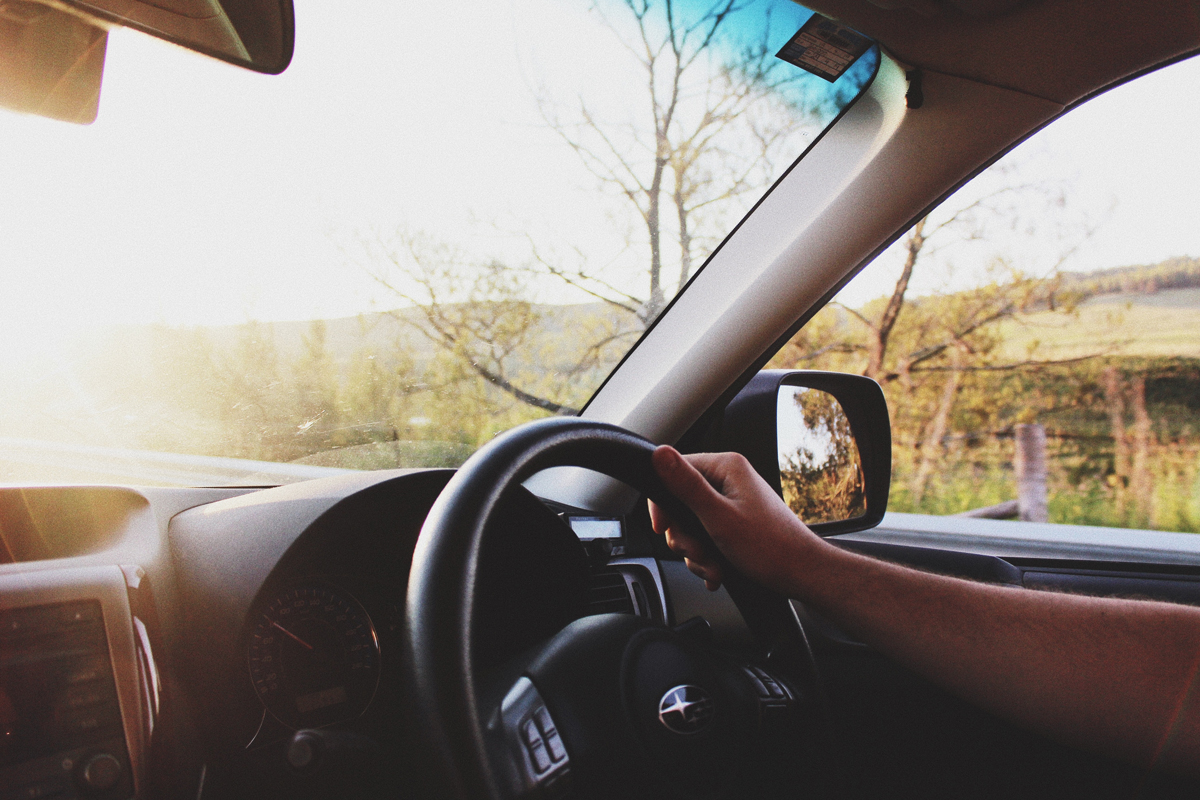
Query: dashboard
[202, 643]
[172, 643]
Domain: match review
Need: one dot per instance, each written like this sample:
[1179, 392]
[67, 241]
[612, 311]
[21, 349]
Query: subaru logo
[685, 709]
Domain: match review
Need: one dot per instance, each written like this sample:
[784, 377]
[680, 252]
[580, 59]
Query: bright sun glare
[205, 194]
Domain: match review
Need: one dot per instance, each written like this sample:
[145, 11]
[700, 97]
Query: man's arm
[1114, 676]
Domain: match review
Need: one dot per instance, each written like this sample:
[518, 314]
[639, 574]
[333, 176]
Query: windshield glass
[433, 226]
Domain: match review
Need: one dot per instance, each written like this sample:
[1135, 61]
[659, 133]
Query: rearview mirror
[256, 34]
[52, 54]
[822, 440]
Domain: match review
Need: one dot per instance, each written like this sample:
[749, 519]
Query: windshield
[431, 227]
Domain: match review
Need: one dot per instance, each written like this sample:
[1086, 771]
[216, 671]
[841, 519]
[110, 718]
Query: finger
[676, 537]
[707, 571]
[686, 546]
[660, 520]
[696, 568]
[685, 481]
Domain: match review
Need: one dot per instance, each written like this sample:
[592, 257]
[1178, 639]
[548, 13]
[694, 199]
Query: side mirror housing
[822, 440]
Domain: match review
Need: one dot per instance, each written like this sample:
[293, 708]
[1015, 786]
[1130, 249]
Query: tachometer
[314, 656]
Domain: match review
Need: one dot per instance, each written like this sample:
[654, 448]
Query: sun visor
[51, 62]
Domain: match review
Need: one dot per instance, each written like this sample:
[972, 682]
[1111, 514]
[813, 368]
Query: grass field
[1166, 323]
[1153, 335]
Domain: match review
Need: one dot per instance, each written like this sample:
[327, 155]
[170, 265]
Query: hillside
[1181, 272]
[1162, 323]
[346, 338]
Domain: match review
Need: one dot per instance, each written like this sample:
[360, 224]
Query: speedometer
[314, 656]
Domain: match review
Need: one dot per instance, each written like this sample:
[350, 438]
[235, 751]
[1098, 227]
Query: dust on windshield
[434, 226]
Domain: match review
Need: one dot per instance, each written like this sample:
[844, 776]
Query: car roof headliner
[1059, 50]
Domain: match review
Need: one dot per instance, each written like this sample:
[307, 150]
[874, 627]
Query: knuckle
[740, 462]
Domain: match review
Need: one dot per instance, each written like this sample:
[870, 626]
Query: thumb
[685, 481]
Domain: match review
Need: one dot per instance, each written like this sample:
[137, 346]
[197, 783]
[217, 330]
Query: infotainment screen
[61, 731]
[596, 527]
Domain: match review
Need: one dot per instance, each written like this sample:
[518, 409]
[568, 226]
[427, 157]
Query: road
[36, 461]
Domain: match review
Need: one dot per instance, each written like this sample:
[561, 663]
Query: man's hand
[747, 521]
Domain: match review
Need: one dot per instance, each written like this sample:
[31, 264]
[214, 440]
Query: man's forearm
[1110, 675]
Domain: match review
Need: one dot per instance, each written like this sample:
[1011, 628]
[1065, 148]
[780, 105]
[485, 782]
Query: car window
[1039, 332]
[436, 224]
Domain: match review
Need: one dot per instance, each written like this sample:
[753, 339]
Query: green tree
[821, 472]
[936, 354]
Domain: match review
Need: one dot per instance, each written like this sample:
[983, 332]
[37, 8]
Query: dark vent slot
[608, 593]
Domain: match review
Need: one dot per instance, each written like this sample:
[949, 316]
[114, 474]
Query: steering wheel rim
[440, 597]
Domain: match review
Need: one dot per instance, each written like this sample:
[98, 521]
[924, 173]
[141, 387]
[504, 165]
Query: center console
[73, 712]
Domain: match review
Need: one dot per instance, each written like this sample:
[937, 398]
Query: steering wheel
[612, 705]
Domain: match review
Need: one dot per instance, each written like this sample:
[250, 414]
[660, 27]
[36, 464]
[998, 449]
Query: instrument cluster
[315, 653]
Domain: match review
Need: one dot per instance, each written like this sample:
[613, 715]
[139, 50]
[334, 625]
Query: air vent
[608, 593]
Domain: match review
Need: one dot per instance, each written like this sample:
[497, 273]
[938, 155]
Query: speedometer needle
[289, 633]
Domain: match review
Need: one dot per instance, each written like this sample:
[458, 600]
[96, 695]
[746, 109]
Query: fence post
[1030, 464]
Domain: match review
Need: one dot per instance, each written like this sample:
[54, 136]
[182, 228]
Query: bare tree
[935, 431]
[1114, 402]
[926, 349]
[708, 126]
[710, 132]
[1131, 449]
[1013, 292]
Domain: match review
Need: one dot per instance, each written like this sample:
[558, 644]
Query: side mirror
[822, 440]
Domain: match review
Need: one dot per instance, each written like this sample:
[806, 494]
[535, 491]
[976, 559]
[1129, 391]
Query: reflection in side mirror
[820, 470]
[822, 440]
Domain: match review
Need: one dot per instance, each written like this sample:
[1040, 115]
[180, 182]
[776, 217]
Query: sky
[206, 194]
[209, 194]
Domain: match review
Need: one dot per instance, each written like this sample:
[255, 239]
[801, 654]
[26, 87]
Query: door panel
[903, 736]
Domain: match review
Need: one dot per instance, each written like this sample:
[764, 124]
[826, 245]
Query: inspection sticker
[824, 48]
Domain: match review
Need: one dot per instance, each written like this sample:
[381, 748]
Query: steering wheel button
[539, 756]
[759, 686]
[530, 733]
[554, 745]
[544, 723]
